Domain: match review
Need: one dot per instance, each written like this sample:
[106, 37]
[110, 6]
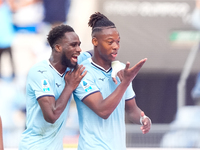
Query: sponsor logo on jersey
[58, 85]
[102, 79]
[41, 71]
[86, 86]
[45, 85]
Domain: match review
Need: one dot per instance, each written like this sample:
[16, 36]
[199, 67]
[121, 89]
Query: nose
[78, 48]
[115, 45]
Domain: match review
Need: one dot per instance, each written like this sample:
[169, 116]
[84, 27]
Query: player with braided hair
[100, 102]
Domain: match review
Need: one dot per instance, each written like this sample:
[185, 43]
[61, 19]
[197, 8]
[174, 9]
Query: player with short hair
[49, 87]
[101, 102]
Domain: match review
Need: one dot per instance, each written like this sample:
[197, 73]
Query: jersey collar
[55, 69]
[94, 64]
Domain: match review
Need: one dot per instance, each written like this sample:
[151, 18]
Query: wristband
[142, 118]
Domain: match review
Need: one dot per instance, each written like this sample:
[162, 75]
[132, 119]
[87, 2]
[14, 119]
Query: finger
[142, 117]
[70, 71]
[76, 68]
[79, 67]
[141, 63]
[142, 114]
[81, 70]
[135, 69]
[127, 65]
[83, 74]
[145, 123]
[145, 130]
[114, 79]
[120, 77]
[120, 74]
[67, 73]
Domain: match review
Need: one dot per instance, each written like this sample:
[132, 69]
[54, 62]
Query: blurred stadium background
[160, 30]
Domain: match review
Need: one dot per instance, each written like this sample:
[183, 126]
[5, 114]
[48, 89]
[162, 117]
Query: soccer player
[49, 87]
[100, 102]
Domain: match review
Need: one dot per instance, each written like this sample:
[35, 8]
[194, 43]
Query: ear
[58, 48]
[94, 41]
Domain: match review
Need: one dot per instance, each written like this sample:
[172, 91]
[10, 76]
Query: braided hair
[98, 22]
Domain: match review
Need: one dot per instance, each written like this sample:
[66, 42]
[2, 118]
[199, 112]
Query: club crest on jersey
[86, 86]
[45, 85]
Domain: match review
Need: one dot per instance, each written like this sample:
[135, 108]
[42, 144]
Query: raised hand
[130, 73]
[120, 74]
[146, 123]
[73, 78]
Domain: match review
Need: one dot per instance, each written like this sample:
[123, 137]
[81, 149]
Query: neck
[101, 62]
[57, 65]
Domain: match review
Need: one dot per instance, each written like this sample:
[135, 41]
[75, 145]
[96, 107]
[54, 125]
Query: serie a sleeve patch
[86, 86]
[45, 85]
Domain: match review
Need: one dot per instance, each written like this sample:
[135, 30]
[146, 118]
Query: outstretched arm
[104, 107]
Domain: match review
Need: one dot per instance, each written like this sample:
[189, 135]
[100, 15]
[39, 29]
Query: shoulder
[39, 68]
[86, 62]
[83, 56]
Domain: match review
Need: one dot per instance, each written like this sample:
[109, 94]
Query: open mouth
[74, 58]
[114, 55]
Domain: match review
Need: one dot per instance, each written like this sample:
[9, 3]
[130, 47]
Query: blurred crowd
[27, 16]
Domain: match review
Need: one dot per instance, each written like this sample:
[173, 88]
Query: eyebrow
[75, 43]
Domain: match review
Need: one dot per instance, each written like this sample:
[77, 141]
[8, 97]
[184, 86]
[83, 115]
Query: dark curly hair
[57, 33]
[98, 21]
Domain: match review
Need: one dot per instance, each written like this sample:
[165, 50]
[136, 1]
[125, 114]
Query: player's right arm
[104, 107]
[51, 108]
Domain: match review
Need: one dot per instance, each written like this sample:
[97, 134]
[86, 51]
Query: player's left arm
[136, 115]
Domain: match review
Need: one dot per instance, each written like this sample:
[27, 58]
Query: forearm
[108, 105]
[51, 108]
[134, 116]
[61, 102]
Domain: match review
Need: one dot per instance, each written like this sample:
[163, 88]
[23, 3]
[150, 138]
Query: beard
[66, 62]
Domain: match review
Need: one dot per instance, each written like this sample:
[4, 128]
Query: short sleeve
[130, 94]
[39, 82]
[86, 87]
